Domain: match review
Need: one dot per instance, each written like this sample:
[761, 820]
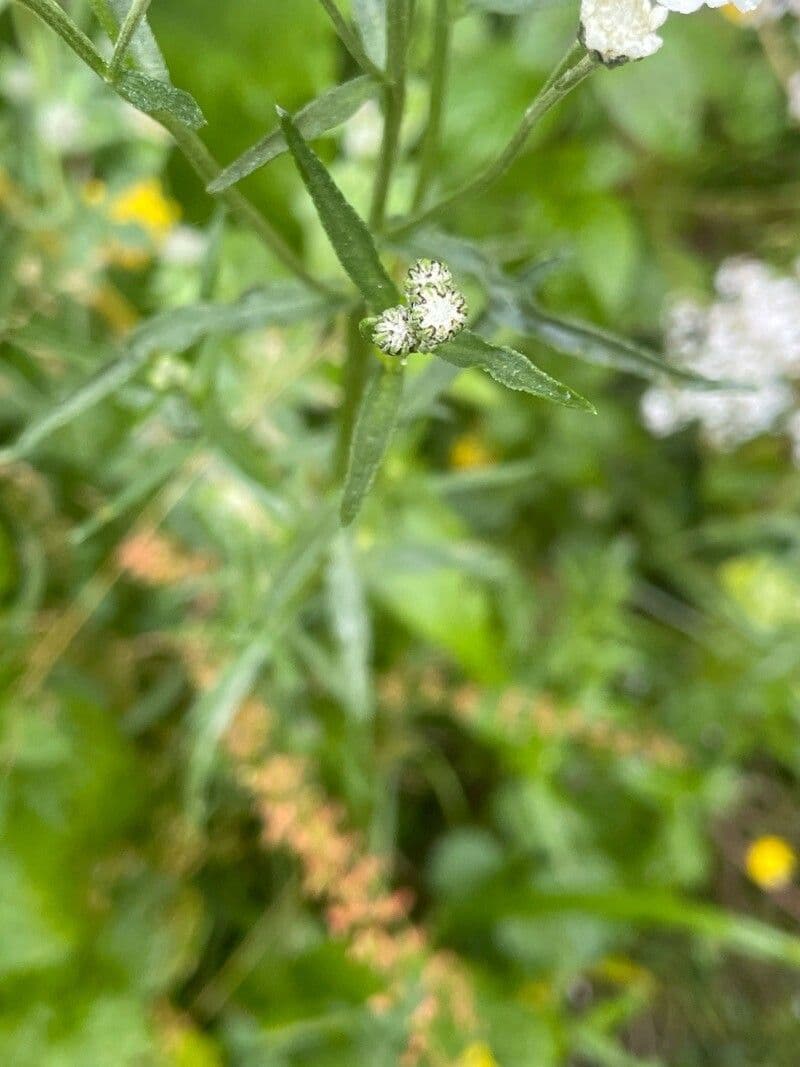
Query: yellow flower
[477, 1054]
[144, 204]
[469, 453]
[771, 863]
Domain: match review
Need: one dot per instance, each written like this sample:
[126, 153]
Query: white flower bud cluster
[749, 335]
[435, 313]
[620, 30]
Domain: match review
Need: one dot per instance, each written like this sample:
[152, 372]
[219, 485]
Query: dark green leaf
[347, 233]
[373, 431]
[321, 115]
[153, 96]
[509, 368]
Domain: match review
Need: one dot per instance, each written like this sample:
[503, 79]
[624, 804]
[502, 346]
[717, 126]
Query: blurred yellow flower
[469, 453]
[733, 14]
[771, 863]
[623, 971]
[477, 1055]
[144, 204]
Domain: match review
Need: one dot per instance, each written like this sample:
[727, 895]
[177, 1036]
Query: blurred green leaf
[172, 331]
[350, 620]
[372, 433]
[595, 345]
[325, 113]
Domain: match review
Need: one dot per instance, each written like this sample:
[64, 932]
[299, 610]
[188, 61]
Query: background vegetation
[476, 782]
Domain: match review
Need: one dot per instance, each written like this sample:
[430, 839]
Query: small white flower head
[393, 332]
[426, 272]
[619, 30]
[438, 314]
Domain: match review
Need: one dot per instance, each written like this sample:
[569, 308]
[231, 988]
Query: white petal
[684, 7]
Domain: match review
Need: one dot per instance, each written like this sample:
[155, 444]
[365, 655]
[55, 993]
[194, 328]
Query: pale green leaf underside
[153, 96]
[316, 118]
[374, 427]
[370, 17]
[509, 368]
[348, 234]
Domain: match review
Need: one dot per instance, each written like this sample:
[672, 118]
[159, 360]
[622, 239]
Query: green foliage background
[647, 591]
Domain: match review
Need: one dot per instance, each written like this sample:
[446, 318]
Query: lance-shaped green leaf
[144, 49]
[348, 234]
[173, 331]
[374, 427]
[153, 96]
[592, 344]
[321, 115]
[509, 368]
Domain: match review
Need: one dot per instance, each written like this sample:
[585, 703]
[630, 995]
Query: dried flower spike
[438, 314]
[393, 332]
[426, 272]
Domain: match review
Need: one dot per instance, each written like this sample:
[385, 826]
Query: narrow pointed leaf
[509, 368]
[153, 96]
[373, 430]
[321, 115]
[348, 234]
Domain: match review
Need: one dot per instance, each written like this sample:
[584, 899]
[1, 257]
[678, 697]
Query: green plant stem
[433, 131]
[394, 97]
[356, 369]
[57, 19]
[549, 96]
[194, 150]
[351, 42]
[136, 12]
[206, 167]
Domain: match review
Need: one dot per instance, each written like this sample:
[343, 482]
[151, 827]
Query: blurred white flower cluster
[750, 335]
[621, 30]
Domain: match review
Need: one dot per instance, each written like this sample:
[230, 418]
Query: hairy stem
[57, 19]
[394, 97]
[550, 95]
[438, 90]
[136, 12]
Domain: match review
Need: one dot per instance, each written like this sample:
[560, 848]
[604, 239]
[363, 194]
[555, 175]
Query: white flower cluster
[749, 335]
[435, 313]
[620, 30]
